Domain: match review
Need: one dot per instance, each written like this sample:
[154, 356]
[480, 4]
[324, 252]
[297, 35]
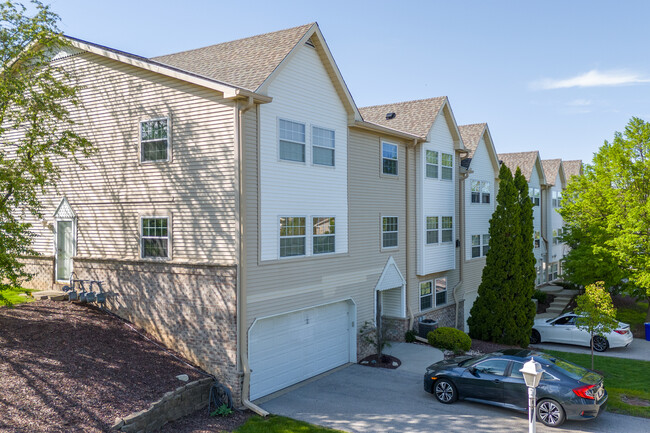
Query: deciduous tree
[597, 314]
[36, 128]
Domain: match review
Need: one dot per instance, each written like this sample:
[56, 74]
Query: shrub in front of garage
[450, 339]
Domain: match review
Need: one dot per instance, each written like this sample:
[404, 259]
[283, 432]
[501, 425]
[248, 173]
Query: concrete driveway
[364, 399]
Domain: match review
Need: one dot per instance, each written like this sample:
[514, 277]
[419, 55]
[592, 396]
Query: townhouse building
[553, 224]
[242, 209]
[478, 199]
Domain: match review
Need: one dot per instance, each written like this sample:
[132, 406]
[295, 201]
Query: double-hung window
[154, 140]
[389, 232]
[322, 146]
[556, 199]
[447, 172]
[534, 196]
[537, 239]
[476, 246]
[480, 245]
[432, 164]
[485, 192]
[426, 295]
[389, 158]
[486, 244]
[557, 234]
[432, 230]
[441, 291]
[292, 236]
[323, 239]
[476, 191]
[447, 229]
[155, 238]
[292, 141]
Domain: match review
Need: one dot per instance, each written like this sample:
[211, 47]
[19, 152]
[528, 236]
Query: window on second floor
[389, 232]
[480, 245]
[323, 238]
[476, 191]
[432, 164]
[481, 192]
[486, 244]
[322, 146]
[447, 172]
[432, 230]
[556, 199]
[537, 239]
[154, 140]
[447, 229]
[533, 193]
[485, 192]
[389, 158]
[292, 141]
[557, 234]
[292, 236]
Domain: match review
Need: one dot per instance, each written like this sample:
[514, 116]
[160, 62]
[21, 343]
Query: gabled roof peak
[414, 117]
[525, 161]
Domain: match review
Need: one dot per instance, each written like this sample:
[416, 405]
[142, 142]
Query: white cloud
[594, 78]
[579, 103]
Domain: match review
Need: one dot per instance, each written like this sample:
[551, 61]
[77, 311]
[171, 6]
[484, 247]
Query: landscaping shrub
[450, 339]
[540, 296]
[409, 337]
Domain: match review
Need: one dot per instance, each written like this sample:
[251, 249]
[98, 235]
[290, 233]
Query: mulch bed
[201, 422]
[385, 361]
[72, 368]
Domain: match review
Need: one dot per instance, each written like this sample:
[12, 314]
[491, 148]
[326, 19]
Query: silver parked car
[563, 329]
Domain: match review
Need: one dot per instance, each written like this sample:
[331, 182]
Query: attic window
[310, 43]
[390, 115]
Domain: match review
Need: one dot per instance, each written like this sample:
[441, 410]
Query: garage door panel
[287, 349]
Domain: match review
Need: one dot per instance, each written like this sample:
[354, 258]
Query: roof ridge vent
[390, 115]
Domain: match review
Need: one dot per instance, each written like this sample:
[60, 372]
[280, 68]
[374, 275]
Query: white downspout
[242, 343]
[461, 226]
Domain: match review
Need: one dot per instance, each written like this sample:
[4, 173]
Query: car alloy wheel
[445, 391]
[535, 337]
[600, 343]
[550, 413]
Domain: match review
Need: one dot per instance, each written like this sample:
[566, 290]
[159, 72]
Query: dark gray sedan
[566, 391]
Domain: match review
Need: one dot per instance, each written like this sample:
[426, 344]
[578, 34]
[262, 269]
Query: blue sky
[555, 76]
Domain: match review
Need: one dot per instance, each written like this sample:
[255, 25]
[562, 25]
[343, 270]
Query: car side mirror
[472, 370]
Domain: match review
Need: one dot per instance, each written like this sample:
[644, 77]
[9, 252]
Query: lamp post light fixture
[532, 372]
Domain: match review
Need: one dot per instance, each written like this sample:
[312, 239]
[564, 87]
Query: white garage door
[292, 347]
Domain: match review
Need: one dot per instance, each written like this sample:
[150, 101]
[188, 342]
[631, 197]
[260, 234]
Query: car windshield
[471, 361]
[570, 369]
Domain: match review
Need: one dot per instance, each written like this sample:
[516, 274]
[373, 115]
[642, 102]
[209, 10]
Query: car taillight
[586, 391]
[621, 331]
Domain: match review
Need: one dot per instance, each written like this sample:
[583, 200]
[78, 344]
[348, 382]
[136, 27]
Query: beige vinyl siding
[195, 188]
[287, 285]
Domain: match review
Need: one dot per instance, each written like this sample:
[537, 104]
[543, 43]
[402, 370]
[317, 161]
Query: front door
[64, 250]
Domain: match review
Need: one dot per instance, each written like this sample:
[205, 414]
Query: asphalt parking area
[363, 399]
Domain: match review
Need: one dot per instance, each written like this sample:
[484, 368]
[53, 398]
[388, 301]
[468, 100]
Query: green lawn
[280, 424]
[625, 379]
[12, 296]
[634, 315]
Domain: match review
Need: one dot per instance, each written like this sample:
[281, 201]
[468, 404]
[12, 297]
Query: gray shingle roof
[524, 160]
[572, 168]
[244, 63]
[471, 135]
[414, 117]
[551, 168]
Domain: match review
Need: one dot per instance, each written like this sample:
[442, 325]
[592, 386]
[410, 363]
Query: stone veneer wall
[445, 316]
[172, 406]
[189, 308]
[42, 268]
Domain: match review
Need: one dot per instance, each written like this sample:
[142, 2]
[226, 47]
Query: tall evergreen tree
[491, 317]
[523, 306]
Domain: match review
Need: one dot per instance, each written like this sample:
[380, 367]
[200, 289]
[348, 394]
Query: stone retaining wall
[172, 406]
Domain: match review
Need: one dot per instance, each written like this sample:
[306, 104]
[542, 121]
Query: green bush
[540, 296]
[450, 339]
[409, 337]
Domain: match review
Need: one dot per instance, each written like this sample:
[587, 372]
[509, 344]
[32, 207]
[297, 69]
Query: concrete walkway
[638, 349]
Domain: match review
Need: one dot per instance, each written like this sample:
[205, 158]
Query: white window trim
[434, 165]
[427, 230]
[305, 144]
[435, 293]
[442, 229]
[447, 166]
[432, 295]
[306, 236]
[312, 145]
[169, 236]
[381, 231]
[312, 236]
[168, 118]
[472, 246]
[381, 159]
[481, 194]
